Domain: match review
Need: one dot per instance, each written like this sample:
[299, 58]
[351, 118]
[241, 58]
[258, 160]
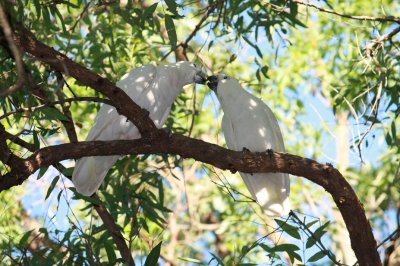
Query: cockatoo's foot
[146, 112]
[232, 168]
[245, 149]
[270, 152]
[167, 131]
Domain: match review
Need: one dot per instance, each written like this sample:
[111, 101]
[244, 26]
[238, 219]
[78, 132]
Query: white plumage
[153, 88]
[249, 123]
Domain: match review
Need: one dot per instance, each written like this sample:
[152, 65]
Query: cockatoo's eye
[194, 65]
[225, 77]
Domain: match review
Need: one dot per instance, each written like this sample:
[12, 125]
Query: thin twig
[68, 123]
[15, 53]
[375, 108]
[68, 100]
[365, 18]
[20, 142]
[194, 112]
[380, 41]
[390, 237]
[114, 231]
[198, 26]
[317, 239]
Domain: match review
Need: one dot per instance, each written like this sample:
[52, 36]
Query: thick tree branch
[362, 240]
[365, 18]
[58, 61]
[159, 142]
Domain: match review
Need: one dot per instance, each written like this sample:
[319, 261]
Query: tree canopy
[328, 69]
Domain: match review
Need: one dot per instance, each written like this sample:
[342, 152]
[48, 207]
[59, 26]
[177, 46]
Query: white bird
[153, 88]
[249, 123]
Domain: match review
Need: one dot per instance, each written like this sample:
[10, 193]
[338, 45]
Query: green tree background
[328, 69]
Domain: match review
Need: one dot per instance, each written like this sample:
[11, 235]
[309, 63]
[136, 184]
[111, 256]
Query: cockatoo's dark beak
[200, 78]
[212, 82]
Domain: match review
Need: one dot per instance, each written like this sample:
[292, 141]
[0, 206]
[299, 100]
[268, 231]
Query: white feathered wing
[153, 88]
[249, 123]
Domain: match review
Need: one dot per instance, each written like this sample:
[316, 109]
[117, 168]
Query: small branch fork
[181, 47]
[156, 141]
[364, 18]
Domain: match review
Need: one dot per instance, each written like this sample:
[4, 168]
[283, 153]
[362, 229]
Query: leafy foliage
[309, 66]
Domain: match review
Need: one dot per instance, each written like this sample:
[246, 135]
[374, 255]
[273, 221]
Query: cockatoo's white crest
[153, 88]
[249, 123]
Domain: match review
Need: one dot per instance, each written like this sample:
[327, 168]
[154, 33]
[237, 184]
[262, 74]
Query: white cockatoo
[153, 88]
[249, 123]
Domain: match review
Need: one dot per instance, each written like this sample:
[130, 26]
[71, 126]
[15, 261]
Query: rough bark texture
[363, 242]
[159, 142]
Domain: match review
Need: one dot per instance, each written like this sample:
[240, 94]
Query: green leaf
[24, 239]
[170, 26]
[46, 15]
[112, 257]
[42, 171]
[53, 114]
[388, 139]
[254, 46]
[289, 229]
[191, 260]
[308, 225]
[68, 171]
[43, 231]
[77, 195]
[393, 129]
[171, 4]
[57, 12]
[290, 249]
[36, 141]
[52, 186]
[215, 257]
[317, 256]
[148, 13]
[153, 256]
[37, 8]
[264, 70]
[285, 247]
[316, 235]
[150, 213]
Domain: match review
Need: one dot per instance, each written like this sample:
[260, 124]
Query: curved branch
[365, 18]
[362, 239]
[60, 62]
[159, 142]
[47, 104]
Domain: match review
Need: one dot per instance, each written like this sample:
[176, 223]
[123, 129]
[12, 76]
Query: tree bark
[159, 142]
